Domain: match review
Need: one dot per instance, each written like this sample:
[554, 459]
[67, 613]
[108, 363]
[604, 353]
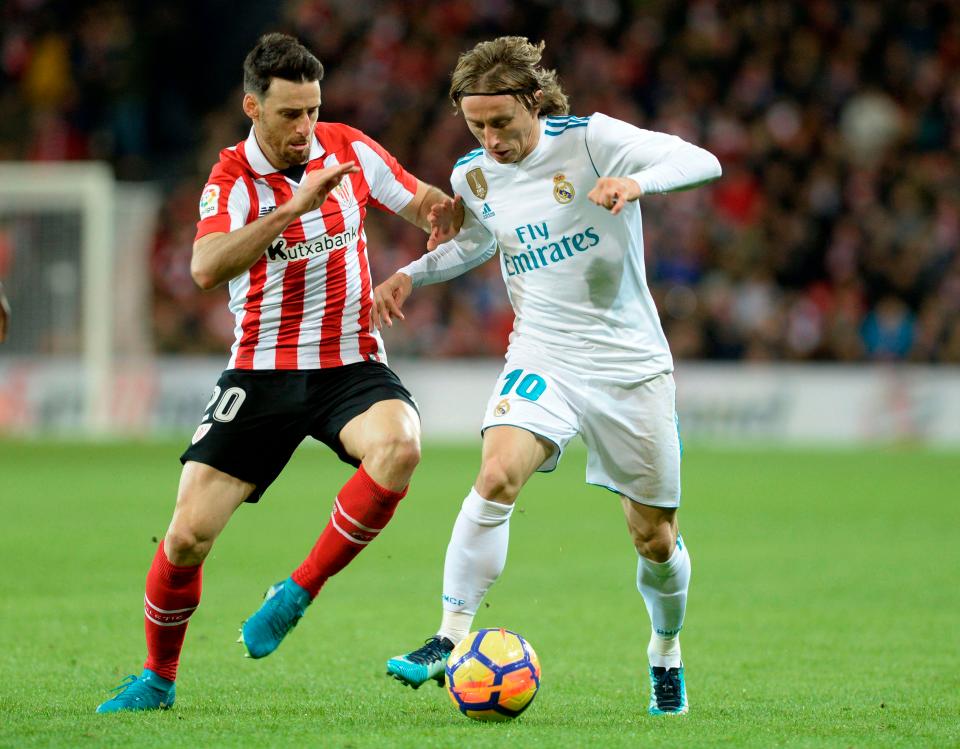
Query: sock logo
[668, 632]
[166, 617]
[350, 528]
[453, 601]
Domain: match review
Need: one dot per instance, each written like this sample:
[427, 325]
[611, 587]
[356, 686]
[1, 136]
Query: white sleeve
[473, 246]
[657, 161]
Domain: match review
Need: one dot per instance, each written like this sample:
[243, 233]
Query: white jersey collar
[261, 165]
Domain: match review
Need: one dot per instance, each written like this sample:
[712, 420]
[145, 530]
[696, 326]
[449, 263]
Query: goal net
[73, 259]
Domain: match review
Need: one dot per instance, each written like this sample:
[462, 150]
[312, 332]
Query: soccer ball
[493, 674]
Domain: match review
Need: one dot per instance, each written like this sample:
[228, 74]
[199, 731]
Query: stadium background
[832, 236]
[812, 295]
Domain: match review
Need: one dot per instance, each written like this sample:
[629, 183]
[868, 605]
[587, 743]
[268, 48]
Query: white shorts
[630, 430]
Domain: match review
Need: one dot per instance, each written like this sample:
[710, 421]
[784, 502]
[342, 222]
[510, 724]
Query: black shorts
[256, 418]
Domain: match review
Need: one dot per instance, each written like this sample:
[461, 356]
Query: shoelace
[432, 650]
[667, 688]
[125, 693]
[128, 680]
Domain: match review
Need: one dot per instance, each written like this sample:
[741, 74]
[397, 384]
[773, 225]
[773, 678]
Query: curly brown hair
[509, 64]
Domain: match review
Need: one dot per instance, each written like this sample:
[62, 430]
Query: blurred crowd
[833, 234]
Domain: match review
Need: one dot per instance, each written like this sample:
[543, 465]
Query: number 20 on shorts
[228, 403]
[530, 387]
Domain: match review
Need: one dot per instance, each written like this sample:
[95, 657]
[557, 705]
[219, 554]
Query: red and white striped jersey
[305, 304]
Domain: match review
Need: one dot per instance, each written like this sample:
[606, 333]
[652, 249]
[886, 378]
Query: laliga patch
[200, 433]
[502, 408]
[562, 189]
[209, 199]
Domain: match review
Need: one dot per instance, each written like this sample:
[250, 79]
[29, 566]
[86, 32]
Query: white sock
[664, 586]
[475, 558]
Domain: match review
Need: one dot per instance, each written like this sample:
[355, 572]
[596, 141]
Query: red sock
[172, 595]
[361, 510]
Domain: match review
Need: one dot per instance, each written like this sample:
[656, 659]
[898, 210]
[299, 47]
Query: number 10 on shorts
[530, 386]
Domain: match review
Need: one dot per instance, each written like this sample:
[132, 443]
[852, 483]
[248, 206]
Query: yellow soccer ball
[493, 674]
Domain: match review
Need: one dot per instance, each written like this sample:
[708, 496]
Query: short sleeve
[224, 203]
[391, 186]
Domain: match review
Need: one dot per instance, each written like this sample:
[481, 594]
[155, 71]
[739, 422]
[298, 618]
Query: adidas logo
[488, 212]
[265, 209]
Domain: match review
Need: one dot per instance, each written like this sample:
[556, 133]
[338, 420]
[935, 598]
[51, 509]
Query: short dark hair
[278, 56]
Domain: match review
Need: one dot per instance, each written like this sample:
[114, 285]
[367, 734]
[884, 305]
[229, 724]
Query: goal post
[86, 189]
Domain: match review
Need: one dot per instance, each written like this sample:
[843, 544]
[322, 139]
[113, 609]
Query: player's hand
[4, 315]
[446, 218]
[613, 193]
[388, 299]
[316, 186]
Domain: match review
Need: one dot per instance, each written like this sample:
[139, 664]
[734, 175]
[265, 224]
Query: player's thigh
[632, 440]
[360, 407]
[251, 426]
[206, 499]
[536, 397]
[383, 423]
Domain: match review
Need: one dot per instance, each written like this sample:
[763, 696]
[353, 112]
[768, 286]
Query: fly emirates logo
[280, 252]
[543, 250]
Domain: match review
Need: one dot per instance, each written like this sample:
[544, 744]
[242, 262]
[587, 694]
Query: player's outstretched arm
[4, 315]
[434, 212]
[655, 162]
[388, 299]
[220, 256]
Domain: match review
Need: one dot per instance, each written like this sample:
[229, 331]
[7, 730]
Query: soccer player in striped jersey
[281, 222]
[558, 196]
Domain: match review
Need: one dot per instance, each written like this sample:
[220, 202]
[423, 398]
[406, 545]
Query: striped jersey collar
[261, 165]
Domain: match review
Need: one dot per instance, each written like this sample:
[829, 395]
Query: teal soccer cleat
[668, 691]
[424, 663]
[145, 692]
[282, 608]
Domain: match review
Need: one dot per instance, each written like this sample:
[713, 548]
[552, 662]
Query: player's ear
[251, 106]
[537, 102]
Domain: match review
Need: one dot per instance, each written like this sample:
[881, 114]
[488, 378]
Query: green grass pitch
[824, 610]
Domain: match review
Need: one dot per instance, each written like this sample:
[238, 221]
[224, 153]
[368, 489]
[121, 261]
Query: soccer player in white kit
[558, 195]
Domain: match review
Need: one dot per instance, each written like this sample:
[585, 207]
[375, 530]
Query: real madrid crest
[502, 408]
[477, 182]
[562, 189]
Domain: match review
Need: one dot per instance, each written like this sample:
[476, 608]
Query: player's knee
[399, 453]
[654, 542]
[184, 547]
[498, 481]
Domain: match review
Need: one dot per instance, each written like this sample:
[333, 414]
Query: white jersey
[574, 272]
